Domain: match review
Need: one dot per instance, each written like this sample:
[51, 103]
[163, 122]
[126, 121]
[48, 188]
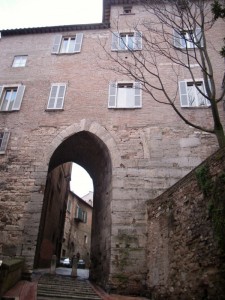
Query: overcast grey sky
[40, 13]
[81, 183]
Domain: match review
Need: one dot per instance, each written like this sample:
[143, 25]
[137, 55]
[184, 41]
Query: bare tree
[173, 31]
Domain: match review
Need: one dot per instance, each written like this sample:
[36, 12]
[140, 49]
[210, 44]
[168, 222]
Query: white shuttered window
[67, 44]
[187, 38]
[126, 41]
[11, 97]
[192, 94]
[56, 97]
[4, 137]
[124, 95]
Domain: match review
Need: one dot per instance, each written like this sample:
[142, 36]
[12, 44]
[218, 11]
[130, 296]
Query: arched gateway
[91, 146]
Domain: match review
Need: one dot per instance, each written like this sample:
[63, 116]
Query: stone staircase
[65, 288]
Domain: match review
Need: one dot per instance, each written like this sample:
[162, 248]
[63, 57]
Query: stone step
[65, 288]
[66, 297]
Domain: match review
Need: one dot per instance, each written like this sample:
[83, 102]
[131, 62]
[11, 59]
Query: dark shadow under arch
[90, 152]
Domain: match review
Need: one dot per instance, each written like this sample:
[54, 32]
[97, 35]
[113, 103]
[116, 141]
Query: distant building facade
[77, 229]
[53, 214]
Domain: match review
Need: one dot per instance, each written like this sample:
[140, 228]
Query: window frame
[18, 98]
[58, 39]
[4, 141]
[116, 41]
[127, 10]
[69, 206]
[56, 98]
[113, 95]
[183, 93]
[19, 64]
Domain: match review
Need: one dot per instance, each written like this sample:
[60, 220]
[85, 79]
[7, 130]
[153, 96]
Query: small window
[80, 214]
[4, 137]
[56, 97]
[11, 97]
[84, 216]
[193, 94]
[85, 239]
[69, 206]
[124, 95]
[188, 38]
[67, 44]
[127, 9]
[19, 61]
[127, 41]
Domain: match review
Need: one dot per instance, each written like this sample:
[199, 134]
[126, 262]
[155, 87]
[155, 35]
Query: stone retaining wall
[185, 260]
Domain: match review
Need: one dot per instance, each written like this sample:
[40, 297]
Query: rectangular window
[19, 61]
[11, 97]
[188, 39]
[193, 94]
[126, 41]
[69, 206]
[127, 9]
[125, 95]
[4, 137]
[80, 215]
[56, 97]
[67, 44]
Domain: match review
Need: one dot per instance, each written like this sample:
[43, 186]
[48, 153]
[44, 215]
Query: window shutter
[52, 97]
[115, 41]
[137, 94]
[1, 90]
[85, 217]
[56, 44]
[112, 94]
[177, 39]
[1, 100]
[4, 142]
[198, 36]
[207, 102]
[19, 97]
[78, 42]
[137, 40]
[61, 95]
[183, 94]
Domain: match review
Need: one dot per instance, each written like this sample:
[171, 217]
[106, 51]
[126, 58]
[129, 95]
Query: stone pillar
[53, 264]
[74, 268]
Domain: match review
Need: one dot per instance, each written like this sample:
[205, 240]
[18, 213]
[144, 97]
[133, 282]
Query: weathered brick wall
[184, 258]
[149, 149]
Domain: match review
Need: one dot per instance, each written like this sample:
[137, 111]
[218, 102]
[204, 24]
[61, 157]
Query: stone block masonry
[185, 248]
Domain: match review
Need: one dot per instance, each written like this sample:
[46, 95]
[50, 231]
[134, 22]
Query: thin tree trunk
[220, 136]
[218, 128]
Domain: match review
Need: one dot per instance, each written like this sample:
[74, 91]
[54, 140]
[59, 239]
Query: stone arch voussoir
[90, 126]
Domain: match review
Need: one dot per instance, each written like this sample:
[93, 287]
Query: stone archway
[91, 146]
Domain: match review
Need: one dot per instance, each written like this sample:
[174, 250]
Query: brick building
[58, 105]
[53, 215]
[77, 229]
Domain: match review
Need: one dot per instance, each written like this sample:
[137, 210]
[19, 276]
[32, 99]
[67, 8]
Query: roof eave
[50, 29]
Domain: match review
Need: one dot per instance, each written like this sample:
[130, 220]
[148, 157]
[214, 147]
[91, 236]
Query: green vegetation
[214, 191]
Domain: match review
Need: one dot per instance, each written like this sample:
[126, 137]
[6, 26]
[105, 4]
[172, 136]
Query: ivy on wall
[214, 191]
